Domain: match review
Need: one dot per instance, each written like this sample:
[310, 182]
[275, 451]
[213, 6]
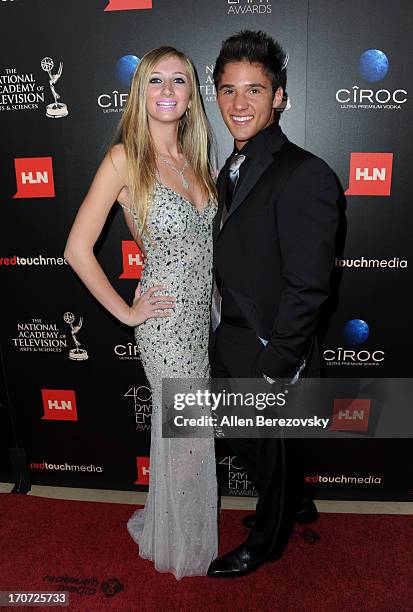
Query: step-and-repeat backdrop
[74, 395]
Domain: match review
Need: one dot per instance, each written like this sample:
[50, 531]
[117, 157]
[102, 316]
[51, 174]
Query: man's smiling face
[246, 100]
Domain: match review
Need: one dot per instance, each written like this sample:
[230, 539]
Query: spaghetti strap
[130, 211]
[137, 226]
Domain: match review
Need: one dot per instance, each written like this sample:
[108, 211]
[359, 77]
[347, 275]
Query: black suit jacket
[275, 251]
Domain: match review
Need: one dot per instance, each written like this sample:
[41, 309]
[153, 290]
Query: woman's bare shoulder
[117, 156]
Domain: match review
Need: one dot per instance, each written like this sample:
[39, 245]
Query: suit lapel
[255, 170]
[254, 173]
[222, 190]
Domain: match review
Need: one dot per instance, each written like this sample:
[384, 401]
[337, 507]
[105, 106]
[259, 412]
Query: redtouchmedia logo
[370, 174]
[128, 5]
[142, 464]
[64, 467]
[351, 414]
[59, 405]
[132, 260]
[344, 479]
[34, 177]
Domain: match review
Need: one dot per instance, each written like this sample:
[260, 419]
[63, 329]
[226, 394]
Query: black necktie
[233, 175]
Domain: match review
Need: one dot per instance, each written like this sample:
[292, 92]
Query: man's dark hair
[256, 48]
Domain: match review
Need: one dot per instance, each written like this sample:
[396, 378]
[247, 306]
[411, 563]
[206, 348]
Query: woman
[160, 174]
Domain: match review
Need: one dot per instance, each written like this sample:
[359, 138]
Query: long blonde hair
[194, 136]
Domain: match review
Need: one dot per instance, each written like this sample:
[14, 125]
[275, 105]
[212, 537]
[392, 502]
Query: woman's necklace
[185, 183]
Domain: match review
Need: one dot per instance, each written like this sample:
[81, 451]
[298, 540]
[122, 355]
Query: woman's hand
[147, 306]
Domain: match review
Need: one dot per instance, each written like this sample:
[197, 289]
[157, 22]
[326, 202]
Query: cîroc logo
[126, 351]
[125, 67]
[373, 66]
[114, 101]
[355, 332]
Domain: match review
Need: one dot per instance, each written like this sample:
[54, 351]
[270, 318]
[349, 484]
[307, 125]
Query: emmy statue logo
[76, 354]
[56, 110]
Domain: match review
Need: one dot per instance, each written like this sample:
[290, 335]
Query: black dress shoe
[248, 520]
[238, 562]
[307, 514]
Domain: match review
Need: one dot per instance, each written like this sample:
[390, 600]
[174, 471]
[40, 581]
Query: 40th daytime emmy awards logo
[78, 353]
[55, 110]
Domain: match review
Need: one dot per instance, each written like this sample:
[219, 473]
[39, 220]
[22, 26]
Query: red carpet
[343, 562]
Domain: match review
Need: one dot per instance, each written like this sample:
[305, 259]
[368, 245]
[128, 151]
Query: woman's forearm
[86, 266]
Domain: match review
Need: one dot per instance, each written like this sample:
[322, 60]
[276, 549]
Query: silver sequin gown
[177, 529]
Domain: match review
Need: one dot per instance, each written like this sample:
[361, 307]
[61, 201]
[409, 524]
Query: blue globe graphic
[373, 65]
[356, 331]
[125, 67]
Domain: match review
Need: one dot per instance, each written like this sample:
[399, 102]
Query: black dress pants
[274, 465]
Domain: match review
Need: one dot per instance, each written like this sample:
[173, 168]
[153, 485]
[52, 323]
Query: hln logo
[348, 415]
[34, 177]
[370, 174]
[40, 177]
[59, 405]
[55, 405]
[132, 260]
[377, 174]
[351, 414]
[128, 5]
[142, 465]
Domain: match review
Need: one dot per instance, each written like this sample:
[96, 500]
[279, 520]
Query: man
[274, 238]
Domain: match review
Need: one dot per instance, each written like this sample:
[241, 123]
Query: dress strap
[132, 212]
[137, 226]
[126, 207]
